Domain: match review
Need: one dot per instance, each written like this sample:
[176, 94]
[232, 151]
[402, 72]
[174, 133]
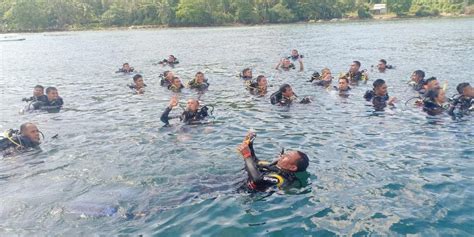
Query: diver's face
[415, 77]
[126, 67]
[288, 93]
[288, 161]
[192, 105]
[53, 95]
[286, 62]
[248, 73]
[354, 68]
[139, 82]
[32, 132]
[468, 91]
[263, 82]
[294, 52]
[171, 58]
[343, 85]
[170, 76]
[38, 92]
[381, 90]
[200, 78]
[381, 66]
[432, 84]
[177, 82]
[327, 76]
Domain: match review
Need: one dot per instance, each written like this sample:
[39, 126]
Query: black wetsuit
[277, 98]
[165, 61]
[419, 86]
[256, 90]
[200, 87]
[291, 66]
[187, 117]
[264, 175]
[323, 83]
[19, 143]
[463, 104]
[355, 78]
[432, 108]
[164, 82]
[133, 87]
[379, 102]
[52, 106]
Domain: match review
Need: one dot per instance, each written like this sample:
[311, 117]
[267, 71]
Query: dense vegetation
[37, 15]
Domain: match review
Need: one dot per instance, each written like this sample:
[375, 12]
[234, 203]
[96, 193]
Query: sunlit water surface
[114, 170]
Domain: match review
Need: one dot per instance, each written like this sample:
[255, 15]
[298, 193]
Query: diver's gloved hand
[250, 138]
[305, 100]
[173, 102]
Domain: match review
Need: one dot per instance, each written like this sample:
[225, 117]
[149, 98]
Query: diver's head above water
[52, 93]
[294, 161]
[31, 132]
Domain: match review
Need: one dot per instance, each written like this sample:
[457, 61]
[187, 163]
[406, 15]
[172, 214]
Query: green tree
[399, 7]
[26, 15]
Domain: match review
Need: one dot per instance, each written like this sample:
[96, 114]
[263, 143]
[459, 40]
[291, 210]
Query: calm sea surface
[114, 170]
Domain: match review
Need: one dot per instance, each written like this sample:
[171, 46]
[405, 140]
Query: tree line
[39, 15]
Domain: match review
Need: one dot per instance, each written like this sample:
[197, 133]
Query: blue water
[114, 170]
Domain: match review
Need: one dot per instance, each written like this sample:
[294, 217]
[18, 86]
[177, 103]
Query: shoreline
[386, 17]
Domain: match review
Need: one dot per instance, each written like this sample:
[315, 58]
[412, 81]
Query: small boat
[6, 39]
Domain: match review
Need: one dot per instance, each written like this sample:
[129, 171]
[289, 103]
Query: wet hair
[383, 61]
[165, 73]
[259, 78]
[39, 87]
[430, 80]
[246, 69]
[303, 162]
[378, 83]
[357, 62]
[419, 73]
[51, 88]
[136, 77]
[325, 71]
[199, 73]
[461, 86]
[344, 78]
[125, 64]
[175, 78]
[284, 87]
[433, 93]
[171, 55]
[23, 126]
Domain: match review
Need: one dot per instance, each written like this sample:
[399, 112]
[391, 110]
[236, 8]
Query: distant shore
[386, 17]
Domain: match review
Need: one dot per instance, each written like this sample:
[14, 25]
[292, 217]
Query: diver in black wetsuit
[138, 85]
[417, 80]
[382, 66]
[379, 96]
[17, 141]
[285, 96]
[176, 85]
[53, 104]
[199, 82]
[166, 78]
[463, 102]
[354, 75]
[280, 173]
[38, 95]
[259, 87]
[192, 114]
[171, 61]
[125, 68]
[433, 104]
[343, 87]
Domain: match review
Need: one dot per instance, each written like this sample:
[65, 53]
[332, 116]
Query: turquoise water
[114, 170]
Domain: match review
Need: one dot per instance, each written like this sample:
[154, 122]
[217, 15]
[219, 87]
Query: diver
[246, 75]
[176, 85]
[191, 115]
[463, 102]
[19, 141]
[280, 173]
[379, 96]
[433, 104]
[343, 86]
[171, 61]
[285, 64]
[259, 87]
[417, 80]
[199, 82]
[53, 104]
[166, 78]
[138, 85]
[125, 69]
[38, 95]
[382, 66]
[355, 76]
[429, 84]
[295, 56]
[324, 79]
[285, 96]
